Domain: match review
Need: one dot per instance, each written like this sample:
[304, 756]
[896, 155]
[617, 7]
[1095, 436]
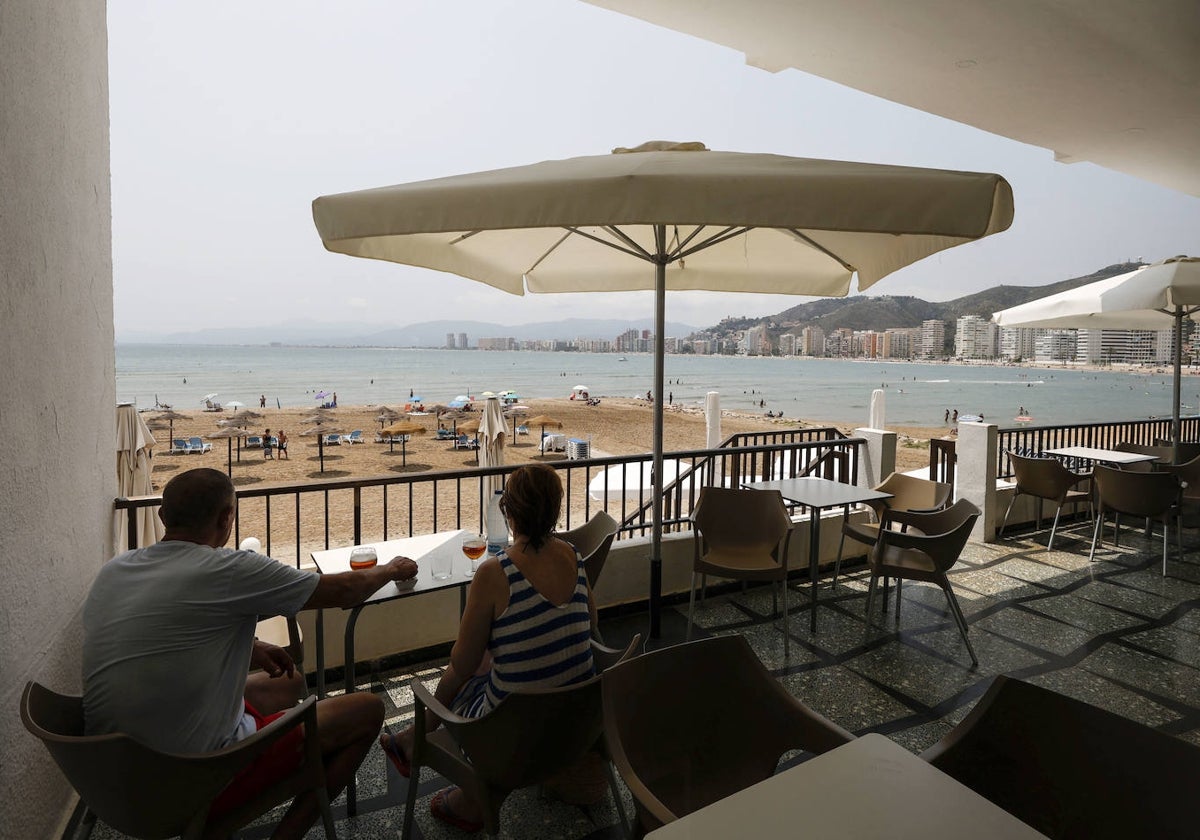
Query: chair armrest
[425, 701]
[905, 539]
[907, 518]
[606, 657]
[248, 749]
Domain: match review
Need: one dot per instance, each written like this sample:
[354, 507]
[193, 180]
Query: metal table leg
[814, 546]
[348, 653]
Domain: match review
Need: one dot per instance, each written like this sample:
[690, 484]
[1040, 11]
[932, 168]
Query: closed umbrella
[229, 433]
[134, 442]
[670, 216]
[876, 417]
[1151, 298]
[402, 430]
[492, 435]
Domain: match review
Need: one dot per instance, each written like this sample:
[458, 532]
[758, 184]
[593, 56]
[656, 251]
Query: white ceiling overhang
[1114, 82]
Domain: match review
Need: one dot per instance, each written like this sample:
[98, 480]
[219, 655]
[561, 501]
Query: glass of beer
[473, 546]
[363, 557]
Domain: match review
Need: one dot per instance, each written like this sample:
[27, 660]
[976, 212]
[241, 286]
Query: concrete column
[56, 343]
[976, 481]
[878, 457]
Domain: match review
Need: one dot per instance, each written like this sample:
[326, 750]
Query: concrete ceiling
[1114, 82]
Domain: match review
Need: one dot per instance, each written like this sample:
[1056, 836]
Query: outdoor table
[421, 549]
[817, 494]
[868, 788]
[1106, 456]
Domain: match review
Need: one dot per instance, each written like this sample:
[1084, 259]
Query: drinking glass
[441, 564]
[473, 546]
[363, 557]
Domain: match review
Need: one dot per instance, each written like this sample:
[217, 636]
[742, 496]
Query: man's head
[199, 504]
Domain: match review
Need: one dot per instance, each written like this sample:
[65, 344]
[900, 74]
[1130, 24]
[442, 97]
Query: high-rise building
[812, 341]
[787, 344]
[976, 338]
[1019, 342]
[1124, 346]
[449, 341]
[462, 341]
[933, 339]
[1055, 346]
[756, 341]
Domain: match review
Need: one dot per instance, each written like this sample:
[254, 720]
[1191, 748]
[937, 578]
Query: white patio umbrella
[134, 442]
[493, 432]
[1151, 298]
[720, 221]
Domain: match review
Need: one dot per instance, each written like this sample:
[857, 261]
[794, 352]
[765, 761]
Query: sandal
[387, 742]
[440, 809]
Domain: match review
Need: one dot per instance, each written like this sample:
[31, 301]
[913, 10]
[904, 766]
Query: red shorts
[280, 760]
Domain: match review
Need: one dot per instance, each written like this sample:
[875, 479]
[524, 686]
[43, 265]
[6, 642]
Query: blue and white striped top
[534, 643]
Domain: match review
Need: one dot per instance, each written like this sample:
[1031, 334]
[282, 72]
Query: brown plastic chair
[150, 794]
[926, 556]
[1184, 452]
[743, 535]
[1069, 769]
[1045, 478]
[690, 724]
[1163, 455]
[593, 539]
[909, 493]
[1153, 495]
[528, 738]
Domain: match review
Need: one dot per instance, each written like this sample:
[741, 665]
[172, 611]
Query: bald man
[169, 641]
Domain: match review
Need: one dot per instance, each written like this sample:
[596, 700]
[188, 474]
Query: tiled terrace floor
[1114, 633]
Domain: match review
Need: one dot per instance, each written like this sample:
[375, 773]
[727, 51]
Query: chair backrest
[912, 493]
[1185, 451]
[693, 723]
[593, 539]
[1188, 472]
[944, 533]
[747, 519]
[1136, 493]
[532, 735]
[1045, 478]
[1070, 769]
[1162, 455]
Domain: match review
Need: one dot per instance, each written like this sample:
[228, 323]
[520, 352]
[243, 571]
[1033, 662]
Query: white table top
[868, 788]
[820, 492]
[1109, 456]
[421, 549]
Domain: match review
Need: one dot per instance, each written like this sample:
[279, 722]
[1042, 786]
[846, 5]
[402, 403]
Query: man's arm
[349, 588]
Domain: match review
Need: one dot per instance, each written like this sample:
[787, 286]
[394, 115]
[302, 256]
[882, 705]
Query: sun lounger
[253, 442]
[445, 434]
[522, 430]
[196, 446]
[179, 446]
[356, 437]
[333, 439]
[464, 442]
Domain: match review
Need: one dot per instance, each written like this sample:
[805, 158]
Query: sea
[833, 390]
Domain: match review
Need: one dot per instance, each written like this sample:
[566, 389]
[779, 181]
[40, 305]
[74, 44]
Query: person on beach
[954, 416]
[947, 417]
[283, 456]
[262, 401]
[267, 445]
[169, 642]
[530, 600]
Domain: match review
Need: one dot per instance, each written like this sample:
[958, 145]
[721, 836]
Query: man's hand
[401, 568]
[273, 659]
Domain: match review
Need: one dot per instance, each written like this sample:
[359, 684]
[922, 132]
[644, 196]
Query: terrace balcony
[1114, 633]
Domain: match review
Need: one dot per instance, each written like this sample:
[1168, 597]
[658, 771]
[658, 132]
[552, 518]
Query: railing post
[878, 461]
[976, 478]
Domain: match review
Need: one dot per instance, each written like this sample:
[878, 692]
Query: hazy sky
[228, 118]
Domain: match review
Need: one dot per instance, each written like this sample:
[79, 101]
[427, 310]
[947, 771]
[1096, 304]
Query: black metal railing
[294, 519]
[1034, 440]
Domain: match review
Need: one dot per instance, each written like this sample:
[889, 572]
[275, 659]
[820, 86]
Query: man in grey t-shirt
[169, 640]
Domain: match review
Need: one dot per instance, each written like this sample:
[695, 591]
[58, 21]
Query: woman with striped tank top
[527, 624]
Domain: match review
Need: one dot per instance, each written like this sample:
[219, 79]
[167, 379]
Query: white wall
[56, 371]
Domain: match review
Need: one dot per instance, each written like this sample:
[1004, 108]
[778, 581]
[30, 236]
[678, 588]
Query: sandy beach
[615, 427]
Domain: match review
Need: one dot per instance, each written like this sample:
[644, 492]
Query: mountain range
[860, 312]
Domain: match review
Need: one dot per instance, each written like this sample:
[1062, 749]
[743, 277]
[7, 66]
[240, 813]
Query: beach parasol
[670, 216]
[235, 404]
[387, 415]
[229, 433]
[1151, 298]
[517, 413]
[320, 426]
[171, 417]
[492, 433]
[402, 430]
[544, 420]
[133, 443]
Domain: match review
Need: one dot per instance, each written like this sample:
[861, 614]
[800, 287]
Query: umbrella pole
[660, 320]
[229, 447]
[1178, 365]
[321, 449]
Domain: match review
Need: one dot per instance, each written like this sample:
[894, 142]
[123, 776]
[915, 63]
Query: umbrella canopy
[670, 216]
[134, 442]
[544, 420]
[229, 433]
[241, 418]
[402, 430]
[235, 404]
[171, 417]
[387, 415]
[468, 426]
[492, 435]
[1151, 298]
